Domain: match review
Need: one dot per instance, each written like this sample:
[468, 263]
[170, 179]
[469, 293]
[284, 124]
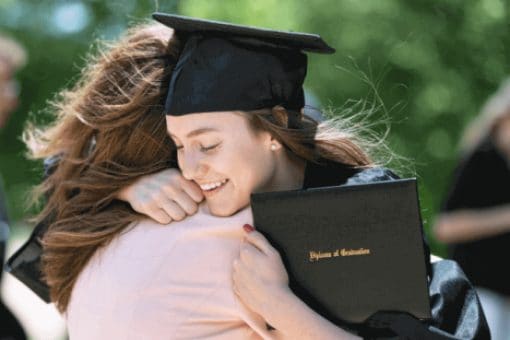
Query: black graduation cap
[226, 67]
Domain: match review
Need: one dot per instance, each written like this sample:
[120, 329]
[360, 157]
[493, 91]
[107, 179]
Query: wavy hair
[340, 139]
[109, 129]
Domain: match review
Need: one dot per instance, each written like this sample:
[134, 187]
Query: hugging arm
[261, 283]
[298, 321]
[163, 196]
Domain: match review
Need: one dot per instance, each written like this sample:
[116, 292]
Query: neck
[290, 173]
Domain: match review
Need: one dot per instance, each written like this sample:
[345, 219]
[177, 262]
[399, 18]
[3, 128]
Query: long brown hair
[311, 140]
[109, 129]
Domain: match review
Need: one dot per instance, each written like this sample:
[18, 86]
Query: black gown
[482, 180]
[456, 311]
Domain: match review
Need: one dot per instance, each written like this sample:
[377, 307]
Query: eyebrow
[197, 132]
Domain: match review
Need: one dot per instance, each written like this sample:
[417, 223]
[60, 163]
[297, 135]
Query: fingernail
[248, 228]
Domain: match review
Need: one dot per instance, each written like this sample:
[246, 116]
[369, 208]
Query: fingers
[258, 240]
[185, 203]
[236, 280]
[192, 189]
[172, 209]
[183, 192]
[250, 255]
[159, 215]
[165, 196]
[241, 275]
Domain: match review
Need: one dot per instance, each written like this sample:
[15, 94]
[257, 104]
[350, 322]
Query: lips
[212, 185]
[214, 190]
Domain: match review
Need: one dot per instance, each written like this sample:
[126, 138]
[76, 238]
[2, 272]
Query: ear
[274, 141]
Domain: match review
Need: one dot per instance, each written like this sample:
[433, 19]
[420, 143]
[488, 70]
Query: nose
[191, 165]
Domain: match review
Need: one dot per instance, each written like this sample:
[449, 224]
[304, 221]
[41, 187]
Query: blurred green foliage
[433, 64]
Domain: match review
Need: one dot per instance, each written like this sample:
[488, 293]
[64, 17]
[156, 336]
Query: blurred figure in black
[12, 57]
[475, 221]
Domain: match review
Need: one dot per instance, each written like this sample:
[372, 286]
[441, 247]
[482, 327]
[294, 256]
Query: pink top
[165, 282]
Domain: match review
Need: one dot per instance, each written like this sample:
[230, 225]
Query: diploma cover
[350, 251]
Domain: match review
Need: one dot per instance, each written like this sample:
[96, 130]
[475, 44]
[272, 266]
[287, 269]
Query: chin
[223, 211]
[216, 210]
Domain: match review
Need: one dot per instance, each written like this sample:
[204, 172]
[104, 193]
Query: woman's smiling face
[224, 156]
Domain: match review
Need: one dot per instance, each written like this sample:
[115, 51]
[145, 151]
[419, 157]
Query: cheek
[245, 166]
[256, 170]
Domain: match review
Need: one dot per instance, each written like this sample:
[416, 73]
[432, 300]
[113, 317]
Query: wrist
[293, 319]
[123, 194]
[276, 309]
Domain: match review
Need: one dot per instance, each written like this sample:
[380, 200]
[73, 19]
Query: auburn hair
[109, 129]
[312, 140]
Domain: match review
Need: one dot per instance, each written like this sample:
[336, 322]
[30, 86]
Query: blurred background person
[12, 57]
[475, 220]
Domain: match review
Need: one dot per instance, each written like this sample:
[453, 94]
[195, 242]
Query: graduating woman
[233, 113]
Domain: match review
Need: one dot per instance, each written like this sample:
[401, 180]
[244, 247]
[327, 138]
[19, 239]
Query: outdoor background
[432, 65]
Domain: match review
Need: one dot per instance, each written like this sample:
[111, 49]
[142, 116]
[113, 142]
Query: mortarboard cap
[226, 67]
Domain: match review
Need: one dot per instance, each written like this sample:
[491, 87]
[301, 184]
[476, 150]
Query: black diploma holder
[350, 251]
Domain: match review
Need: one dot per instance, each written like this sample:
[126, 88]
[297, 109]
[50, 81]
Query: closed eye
[209, 148]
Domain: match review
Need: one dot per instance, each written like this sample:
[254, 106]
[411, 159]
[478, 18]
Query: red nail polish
[248, 228]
